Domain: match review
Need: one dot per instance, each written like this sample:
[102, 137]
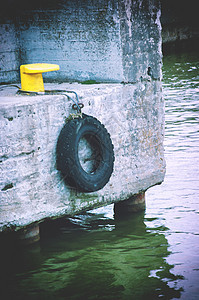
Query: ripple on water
[151, 255]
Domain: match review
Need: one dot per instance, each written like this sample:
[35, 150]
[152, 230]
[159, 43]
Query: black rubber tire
[68, 161]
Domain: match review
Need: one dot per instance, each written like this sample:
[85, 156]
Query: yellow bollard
[31, 76]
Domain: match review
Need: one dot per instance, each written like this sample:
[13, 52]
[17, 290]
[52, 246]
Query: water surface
[152, 255]
[176, 202]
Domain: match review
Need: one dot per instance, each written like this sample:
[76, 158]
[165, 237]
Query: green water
[151, 255]
[95, 257]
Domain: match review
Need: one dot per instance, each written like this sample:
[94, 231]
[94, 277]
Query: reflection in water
[176, 201]
[94, 257]
[153, 255]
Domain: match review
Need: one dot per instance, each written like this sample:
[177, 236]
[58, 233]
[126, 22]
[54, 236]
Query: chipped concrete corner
[130, 106]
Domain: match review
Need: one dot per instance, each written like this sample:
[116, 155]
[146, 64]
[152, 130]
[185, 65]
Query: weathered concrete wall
[32, 189]
[82, 36]
[9, 53]
[106, 41]
[92, 40]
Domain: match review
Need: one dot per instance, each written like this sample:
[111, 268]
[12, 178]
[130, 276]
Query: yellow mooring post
[31, 76]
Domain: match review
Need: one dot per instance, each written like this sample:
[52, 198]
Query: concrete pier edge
[118, 48]
[132, 205]
[28, 235]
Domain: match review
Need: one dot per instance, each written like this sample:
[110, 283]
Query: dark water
[152, 255]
